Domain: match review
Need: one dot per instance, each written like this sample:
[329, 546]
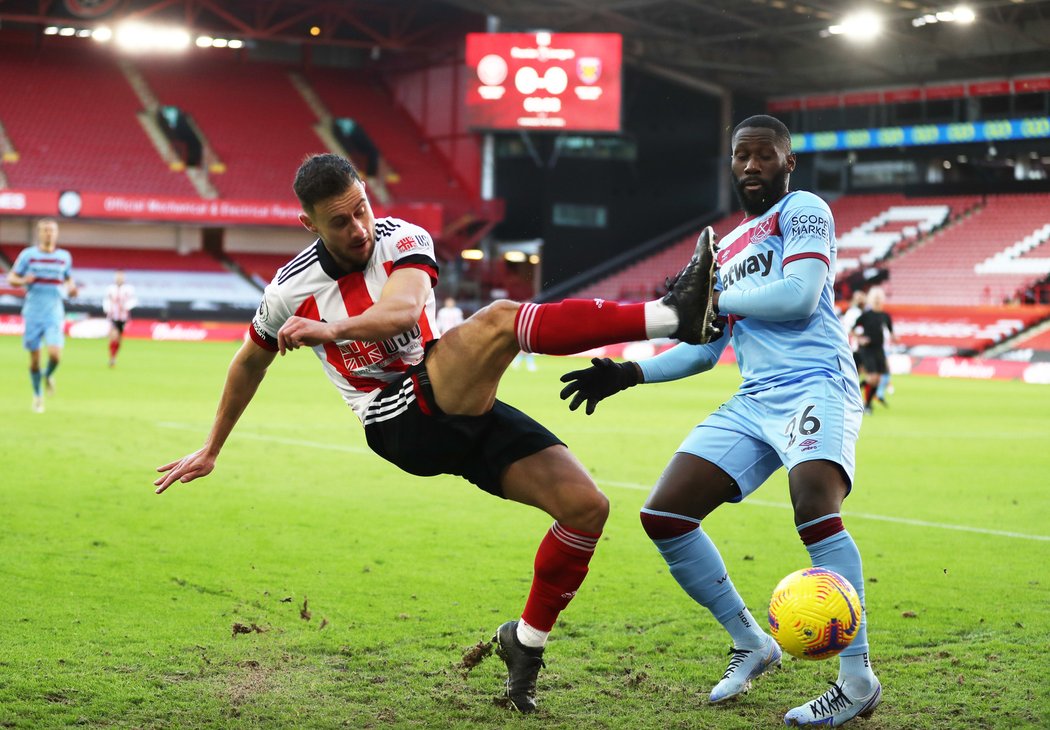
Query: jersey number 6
[807, 426]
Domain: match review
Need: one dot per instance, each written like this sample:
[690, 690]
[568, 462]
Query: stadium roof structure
[762, 47]
[773, 47]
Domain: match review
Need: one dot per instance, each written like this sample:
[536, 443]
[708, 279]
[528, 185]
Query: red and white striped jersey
[119, 301]
[313, 285]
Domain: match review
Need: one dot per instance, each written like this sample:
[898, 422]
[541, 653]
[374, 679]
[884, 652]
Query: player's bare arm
[71, 288]
[18, 280]
[245, 374]
[396, 311]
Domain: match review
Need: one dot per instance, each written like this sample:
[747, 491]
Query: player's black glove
[602, 379]
[718, 327]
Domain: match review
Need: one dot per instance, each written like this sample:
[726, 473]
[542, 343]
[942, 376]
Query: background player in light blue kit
[46, 272]
[798, 407]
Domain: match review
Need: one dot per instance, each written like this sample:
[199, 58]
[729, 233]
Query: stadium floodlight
[51, 30]
[102, 34]
[139, 37]
[515, 257]
[963, 14]
[235, 44]
[219, 43]
[472, 254]
[861, 26]
[67, 32]
[204, 41]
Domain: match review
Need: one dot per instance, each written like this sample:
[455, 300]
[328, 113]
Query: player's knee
[498, 317]
[588, 510]
[666, 527]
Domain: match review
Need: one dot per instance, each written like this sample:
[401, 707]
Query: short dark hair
[322, 176]
[765, 121]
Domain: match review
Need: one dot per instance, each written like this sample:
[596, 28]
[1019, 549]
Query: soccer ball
[814, 613]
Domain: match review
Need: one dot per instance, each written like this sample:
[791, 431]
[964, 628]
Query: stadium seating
[870, 228]
[101, 257]
[1034, 347]
[260, 267]
[71, 116]
[939, 331]
[252, 116]
[930, 246]
[420, 172]
[958, 264]
[162, 278]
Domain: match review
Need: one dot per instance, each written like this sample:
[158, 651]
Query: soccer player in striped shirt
[362, 297]
[117, 304]
[46, 272]
[798, 407]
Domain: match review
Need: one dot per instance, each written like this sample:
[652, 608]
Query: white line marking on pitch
[866, 516]
[628, 485]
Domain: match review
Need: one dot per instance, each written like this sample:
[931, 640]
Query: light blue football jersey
[44, 297]
[770, 354]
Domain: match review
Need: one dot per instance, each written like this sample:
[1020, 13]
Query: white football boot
[745, 665]
[834, 708]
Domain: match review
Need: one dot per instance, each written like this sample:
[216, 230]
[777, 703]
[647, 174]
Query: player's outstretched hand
[299, 332]
[602, 379]
[186, 469]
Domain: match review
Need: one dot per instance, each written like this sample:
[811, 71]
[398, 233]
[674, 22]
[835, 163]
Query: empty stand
[260, 267]
[937, 330]
[952, 266]
[251, 115]
[871, 227]
[1037, 342]
[422, 174]
[71, 116]
[162, 278]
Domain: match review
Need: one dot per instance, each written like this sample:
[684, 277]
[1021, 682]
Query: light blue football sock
[36, 378]
[884, 383]
[839, 553]
[698, 567]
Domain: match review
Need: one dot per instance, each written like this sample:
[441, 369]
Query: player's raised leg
[685, 313]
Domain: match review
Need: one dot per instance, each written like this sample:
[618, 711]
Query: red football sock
[114, 345]
[561, 566]
[575, 325]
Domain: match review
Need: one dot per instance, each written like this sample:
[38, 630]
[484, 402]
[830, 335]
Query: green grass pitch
[119, 605]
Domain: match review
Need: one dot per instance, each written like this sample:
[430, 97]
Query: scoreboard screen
[544, 81]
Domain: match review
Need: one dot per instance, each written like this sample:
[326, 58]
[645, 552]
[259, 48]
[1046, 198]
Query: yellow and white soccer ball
[814, 613]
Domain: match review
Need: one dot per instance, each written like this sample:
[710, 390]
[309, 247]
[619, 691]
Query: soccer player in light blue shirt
[46, 272]
[799, 407]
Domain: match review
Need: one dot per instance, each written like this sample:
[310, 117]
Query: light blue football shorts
[752, 435]
[48, 329]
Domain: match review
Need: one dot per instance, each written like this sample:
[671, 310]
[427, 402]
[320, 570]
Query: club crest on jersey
[765, 228]
[358, 356]
[410, 242]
